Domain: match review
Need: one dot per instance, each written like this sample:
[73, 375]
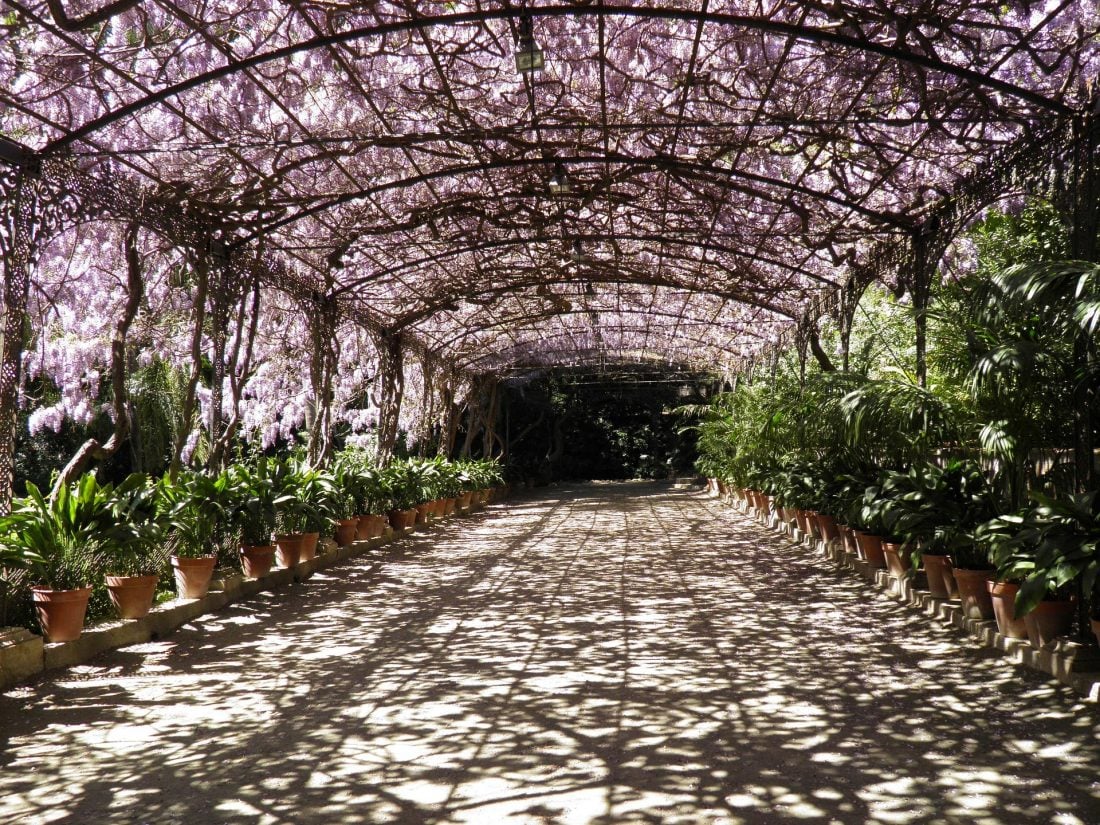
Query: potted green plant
[422, 478]
[465, 479]
[256, 492]
[937, 510]
[370, 499]
[319, 503]
[134, 563]
[885, 508]
[345, 522]
[377, 502]
[63, 540]
[402, 490]
[872, 531]
[1052, 548]
[450, 485]
[484, 474]
[846, 502]
[17, 558]
[195, 510]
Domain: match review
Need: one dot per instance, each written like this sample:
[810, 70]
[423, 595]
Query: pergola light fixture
[559, 181]
[529, 57]
[218, 252]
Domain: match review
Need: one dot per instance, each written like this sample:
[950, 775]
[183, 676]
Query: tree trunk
[451, 412]
[92, 450]
[323, 318]
[473, 427]
[240, 369]
[393, 389]
[187, 413]
[822, 357]
[490, 421]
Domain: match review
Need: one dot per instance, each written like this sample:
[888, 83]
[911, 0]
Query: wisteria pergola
[687, 182]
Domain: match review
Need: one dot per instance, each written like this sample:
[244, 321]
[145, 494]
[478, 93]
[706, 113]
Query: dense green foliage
[569, 426]
[89, 529]
[1010, 410]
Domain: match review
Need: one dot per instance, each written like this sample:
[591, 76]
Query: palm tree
[1037, 361]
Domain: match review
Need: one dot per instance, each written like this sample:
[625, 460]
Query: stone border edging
[24, 654]
[1071, 663]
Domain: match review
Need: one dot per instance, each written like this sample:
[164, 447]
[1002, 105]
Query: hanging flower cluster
[676, 184]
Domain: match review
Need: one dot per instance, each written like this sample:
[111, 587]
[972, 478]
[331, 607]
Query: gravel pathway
[605, 653]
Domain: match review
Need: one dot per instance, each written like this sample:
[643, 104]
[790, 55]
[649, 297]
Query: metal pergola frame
[387, 167]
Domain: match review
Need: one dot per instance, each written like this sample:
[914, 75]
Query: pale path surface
[598, 654]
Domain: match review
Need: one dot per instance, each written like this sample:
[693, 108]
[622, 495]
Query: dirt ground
[605, 653]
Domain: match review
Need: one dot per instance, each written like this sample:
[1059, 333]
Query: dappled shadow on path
[606, 654]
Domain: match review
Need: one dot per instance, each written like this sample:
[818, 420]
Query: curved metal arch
[588, 358]
[432, 308]
[504, 243]
[660, 164]
[550, 315]
[794, 30]
[702, 346]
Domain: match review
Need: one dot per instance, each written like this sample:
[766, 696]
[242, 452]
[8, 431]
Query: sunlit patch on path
[596, 654]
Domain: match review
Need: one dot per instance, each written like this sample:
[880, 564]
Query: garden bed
[24, 655]
[1072, 663]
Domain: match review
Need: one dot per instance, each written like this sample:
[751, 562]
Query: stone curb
[23, 654]
[1071, 663]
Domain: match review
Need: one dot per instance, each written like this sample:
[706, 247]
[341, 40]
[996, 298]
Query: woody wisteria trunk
[392, 378]
[92, 449]
[323, 316]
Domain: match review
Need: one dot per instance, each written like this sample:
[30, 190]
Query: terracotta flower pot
[974, 593]
[256, 559]
[61, 612]
[464, 500]
[897, 559]
[402, 519]
[1003, 595]
[377, 526]
[288, 549]
[448, 506]
[870, 549]
[1049, 620]
[362, 528]
[849, 535]
[827, 527]
[344, 532]
[132, 596]
[193, 576]
[423, 511]
[309, 545]
[802, 519]
[941, 581]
